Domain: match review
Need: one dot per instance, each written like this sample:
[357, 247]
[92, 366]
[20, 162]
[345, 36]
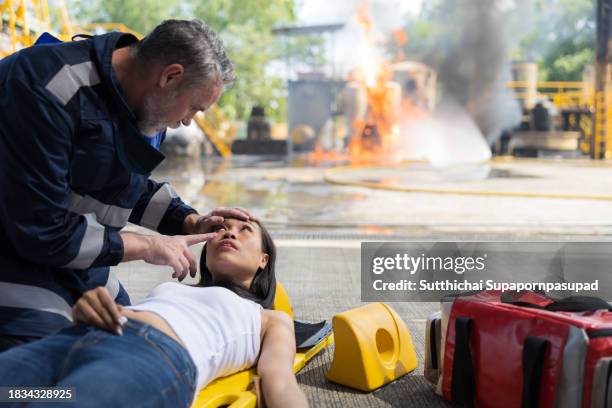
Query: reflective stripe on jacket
[74, 170]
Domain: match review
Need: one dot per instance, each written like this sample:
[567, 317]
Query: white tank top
[221, 330]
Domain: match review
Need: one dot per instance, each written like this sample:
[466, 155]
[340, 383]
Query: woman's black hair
[263, 286]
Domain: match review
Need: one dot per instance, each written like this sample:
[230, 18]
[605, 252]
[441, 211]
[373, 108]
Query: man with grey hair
[80, 128]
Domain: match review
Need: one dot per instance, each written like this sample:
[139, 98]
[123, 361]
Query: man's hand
[164, 250]
[201, 224]
[97, 308]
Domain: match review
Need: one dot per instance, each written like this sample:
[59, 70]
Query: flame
[376, 136]
[367, 69]
[401, 38]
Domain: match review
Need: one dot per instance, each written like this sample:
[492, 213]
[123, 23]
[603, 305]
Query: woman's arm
[275, 366]
[97, 308]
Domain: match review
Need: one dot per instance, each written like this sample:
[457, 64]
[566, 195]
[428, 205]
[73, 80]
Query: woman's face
[235, 253]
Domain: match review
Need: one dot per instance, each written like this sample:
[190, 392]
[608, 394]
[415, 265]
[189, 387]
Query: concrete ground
[297, 198]
[318, 228]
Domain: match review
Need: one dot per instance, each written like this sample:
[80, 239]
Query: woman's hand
[97, 308]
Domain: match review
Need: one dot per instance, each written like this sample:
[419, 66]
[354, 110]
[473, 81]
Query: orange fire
[375, 135]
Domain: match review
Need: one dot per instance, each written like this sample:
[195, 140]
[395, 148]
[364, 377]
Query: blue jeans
[8, 341]
[142, 368]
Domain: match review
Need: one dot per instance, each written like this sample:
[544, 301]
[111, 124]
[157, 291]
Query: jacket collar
[135, 153]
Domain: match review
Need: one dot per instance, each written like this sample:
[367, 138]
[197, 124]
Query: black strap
[463, 386]
[568, 304]
[579, 304]
[524, 304]
[608, 385]
[511, 298]
[534, 351]
[433, 346]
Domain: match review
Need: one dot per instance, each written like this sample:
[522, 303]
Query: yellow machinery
[602, 138]
[574, 97]
[589, 101]
[23, 21]
[580, 96]
[217, 129]
[563, 94]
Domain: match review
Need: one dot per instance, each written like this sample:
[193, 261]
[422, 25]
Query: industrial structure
[316, 101]
[601, 146]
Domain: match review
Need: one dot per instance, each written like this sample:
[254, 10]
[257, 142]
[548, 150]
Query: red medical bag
[524, 350]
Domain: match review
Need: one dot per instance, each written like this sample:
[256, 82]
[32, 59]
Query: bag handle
[534, 351]
[463, 386]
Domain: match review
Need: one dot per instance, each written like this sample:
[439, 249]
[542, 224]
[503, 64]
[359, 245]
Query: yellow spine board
[281, 300]
[234, 390]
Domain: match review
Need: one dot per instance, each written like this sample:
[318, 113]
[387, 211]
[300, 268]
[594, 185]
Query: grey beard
[151, 111]
[148, 128]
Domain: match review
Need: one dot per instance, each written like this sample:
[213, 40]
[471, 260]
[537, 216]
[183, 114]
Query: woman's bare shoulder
[270, 318]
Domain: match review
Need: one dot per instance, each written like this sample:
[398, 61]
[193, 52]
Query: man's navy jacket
[74, 169]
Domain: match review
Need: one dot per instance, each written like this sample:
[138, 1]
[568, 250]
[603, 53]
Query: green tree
[246, 29]
[559, 35]
[561, 39]
[138, 15]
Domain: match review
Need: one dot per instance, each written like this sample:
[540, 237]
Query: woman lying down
[176, 340]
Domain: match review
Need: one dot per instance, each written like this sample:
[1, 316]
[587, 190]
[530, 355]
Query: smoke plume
[475, 66]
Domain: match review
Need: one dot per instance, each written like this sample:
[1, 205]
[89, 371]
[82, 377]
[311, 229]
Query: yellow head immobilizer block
[281, 300]
[373, 347]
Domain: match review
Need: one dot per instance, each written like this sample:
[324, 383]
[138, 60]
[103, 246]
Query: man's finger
[251, 216]
[213, 220]
[184, 270]
[193, 266]
[180, 265]
[185, 264]
[176, 266]
[231, 213]
[197, 238]
[207, 223]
